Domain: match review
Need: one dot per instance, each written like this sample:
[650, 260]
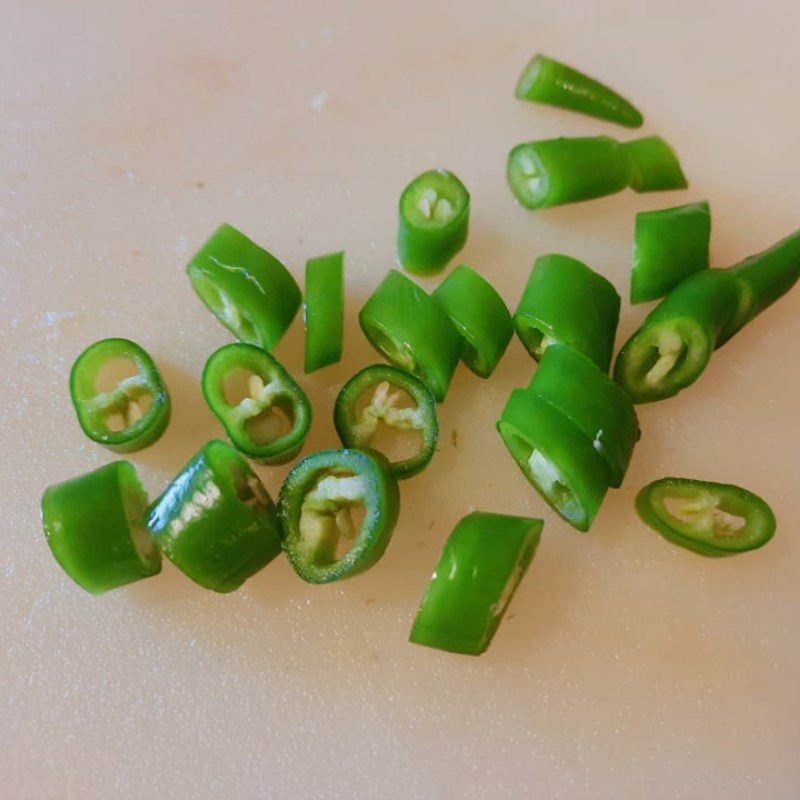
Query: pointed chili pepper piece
[95, 527]
[712, 519]
[545, 80]
[323, 311]
[139, 403]
[479, 570]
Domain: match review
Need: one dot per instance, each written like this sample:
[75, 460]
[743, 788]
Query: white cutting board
[626, 667]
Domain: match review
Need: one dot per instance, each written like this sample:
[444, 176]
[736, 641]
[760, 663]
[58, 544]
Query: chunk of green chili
[323, 310]
[654, 165]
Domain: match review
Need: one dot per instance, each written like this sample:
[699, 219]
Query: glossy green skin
[758, 529]
[569, 170]
[94, 525]
[424, 245]
[762, 279]
[528, 422]
[697, 311]
[323, 311]
[93, 408]
[409, 328]
[215, 521]
[480, 316]
[344, 413]
[545, 80]
[593, 402]
[382, 504]
[290, 398]
[485, 558]
[654, 165]
[669, 245]
[567, 302]
[261, 291]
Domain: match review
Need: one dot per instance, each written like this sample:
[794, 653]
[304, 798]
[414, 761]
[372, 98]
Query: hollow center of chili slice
[704, 513]
[123, 394]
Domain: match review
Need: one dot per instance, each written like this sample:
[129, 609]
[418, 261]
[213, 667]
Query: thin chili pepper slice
[98, 410]
[480, 316]
[323, 311]
[654, 165]
[551, 172]
[434, 221]
[674, 344]
[545, 80]
[565, 301]
[480, 567]
[216, 522]
[357, 424]
[762, 279]
[555, 456]
[253, 423]
[712, 519]
[598, 406]
[669, 245]
[246, 288]
[315, 512]
[95, 527]
[403, 323]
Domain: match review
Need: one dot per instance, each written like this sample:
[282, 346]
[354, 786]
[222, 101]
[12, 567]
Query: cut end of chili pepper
[527, 176]
[712, 519]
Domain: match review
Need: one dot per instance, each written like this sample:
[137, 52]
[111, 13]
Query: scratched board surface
[626, 667]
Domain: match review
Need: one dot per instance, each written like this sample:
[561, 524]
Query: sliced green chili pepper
[391, 387]
[252, 421]
[762, 279]
[410, 329]
[323, 311]
[713, 519]
[216, 521]
[545, 80]
[552, 172]
[95, 526]
[246, 288]
[434, 218]
[672, 347]
[669, 245]
[565, 301]
[315, 512]
[480, 316]
[654, 165]
[555, 456]
[483, 562]
[593, 402]
[117, 418]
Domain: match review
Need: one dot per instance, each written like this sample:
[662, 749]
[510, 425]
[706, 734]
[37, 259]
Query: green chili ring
[95, 409]
[314, 505]
[357, 429]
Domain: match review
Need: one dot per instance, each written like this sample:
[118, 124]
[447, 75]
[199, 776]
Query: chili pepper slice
[565, 301]
[713, 519]
[480, 567]
[95, 526]
[357, 423]
[434, 220]
[216, 522]
[545, 80]
[674, 344]
[323, 311]
[654, 165]
[669, 245]
[315, 511]
[246, 288]
[408, 327]
[551, 172]
[116, 418]
[597, 405]
[555, 456]
[253, 422]
[762, 279]
[480, 316]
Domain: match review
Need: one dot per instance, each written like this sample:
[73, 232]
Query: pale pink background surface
[626, 667]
